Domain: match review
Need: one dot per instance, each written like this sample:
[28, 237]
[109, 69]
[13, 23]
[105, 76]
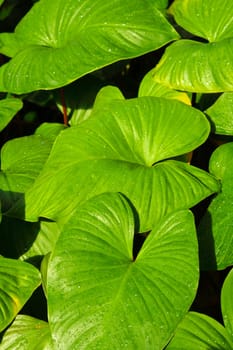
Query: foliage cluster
[109, 218]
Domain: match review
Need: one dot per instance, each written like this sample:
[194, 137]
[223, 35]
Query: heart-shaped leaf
[101, 297]
[196, 66]
[59, 41]
[27, 333]
[216, 228]
[221, 114]
[18, 280]
[122, 148]
[8, 108]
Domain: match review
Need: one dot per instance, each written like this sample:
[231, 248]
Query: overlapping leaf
[209, 19]
[17, 236]
[8, 108]
[122, 148]
[196, 66]
[101, 297]
[79, 98]
[216, 228]
[106, 95]
[18, 280]
[24, 240]
[149, 87]
[27, 333]
[21, 161]
[198, 331]
[227, 303]
[60, 41]
[221, 114]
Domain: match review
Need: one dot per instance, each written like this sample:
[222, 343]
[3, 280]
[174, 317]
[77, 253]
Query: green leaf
[227, 303]
[44, 241]
[8, 108]
[101, 297]
[60, 41]
[7, 10]
[27, 333]
[197, 67]
[18, 280]
[149, 87]
[106, 95]
[123, 148]
[21, 161]
[49, 130]
[27, 240]
[221, 114]
[198, 331]
[79, 98]
[17, 236]
[162, 4]
[44, 272]
[209, 19]
[216, 228]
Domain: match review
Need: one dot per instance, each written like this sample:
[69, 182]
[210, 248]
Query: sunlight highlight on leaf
[120, 302]
[88, 35]
[127, 140]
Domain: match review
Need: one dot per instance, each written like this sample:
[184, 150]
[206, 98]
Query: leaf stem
[64, 108]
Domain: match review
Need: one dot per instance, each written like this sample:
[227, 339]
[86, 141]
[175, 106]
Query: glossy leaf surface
[209, 19]
[149, 87]
[197, 67]
[59, 41]
[198, 331]
[122, 148]
[101, 297]
[27, 333]
[216, 228]
[18, 280]
[193, 65]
